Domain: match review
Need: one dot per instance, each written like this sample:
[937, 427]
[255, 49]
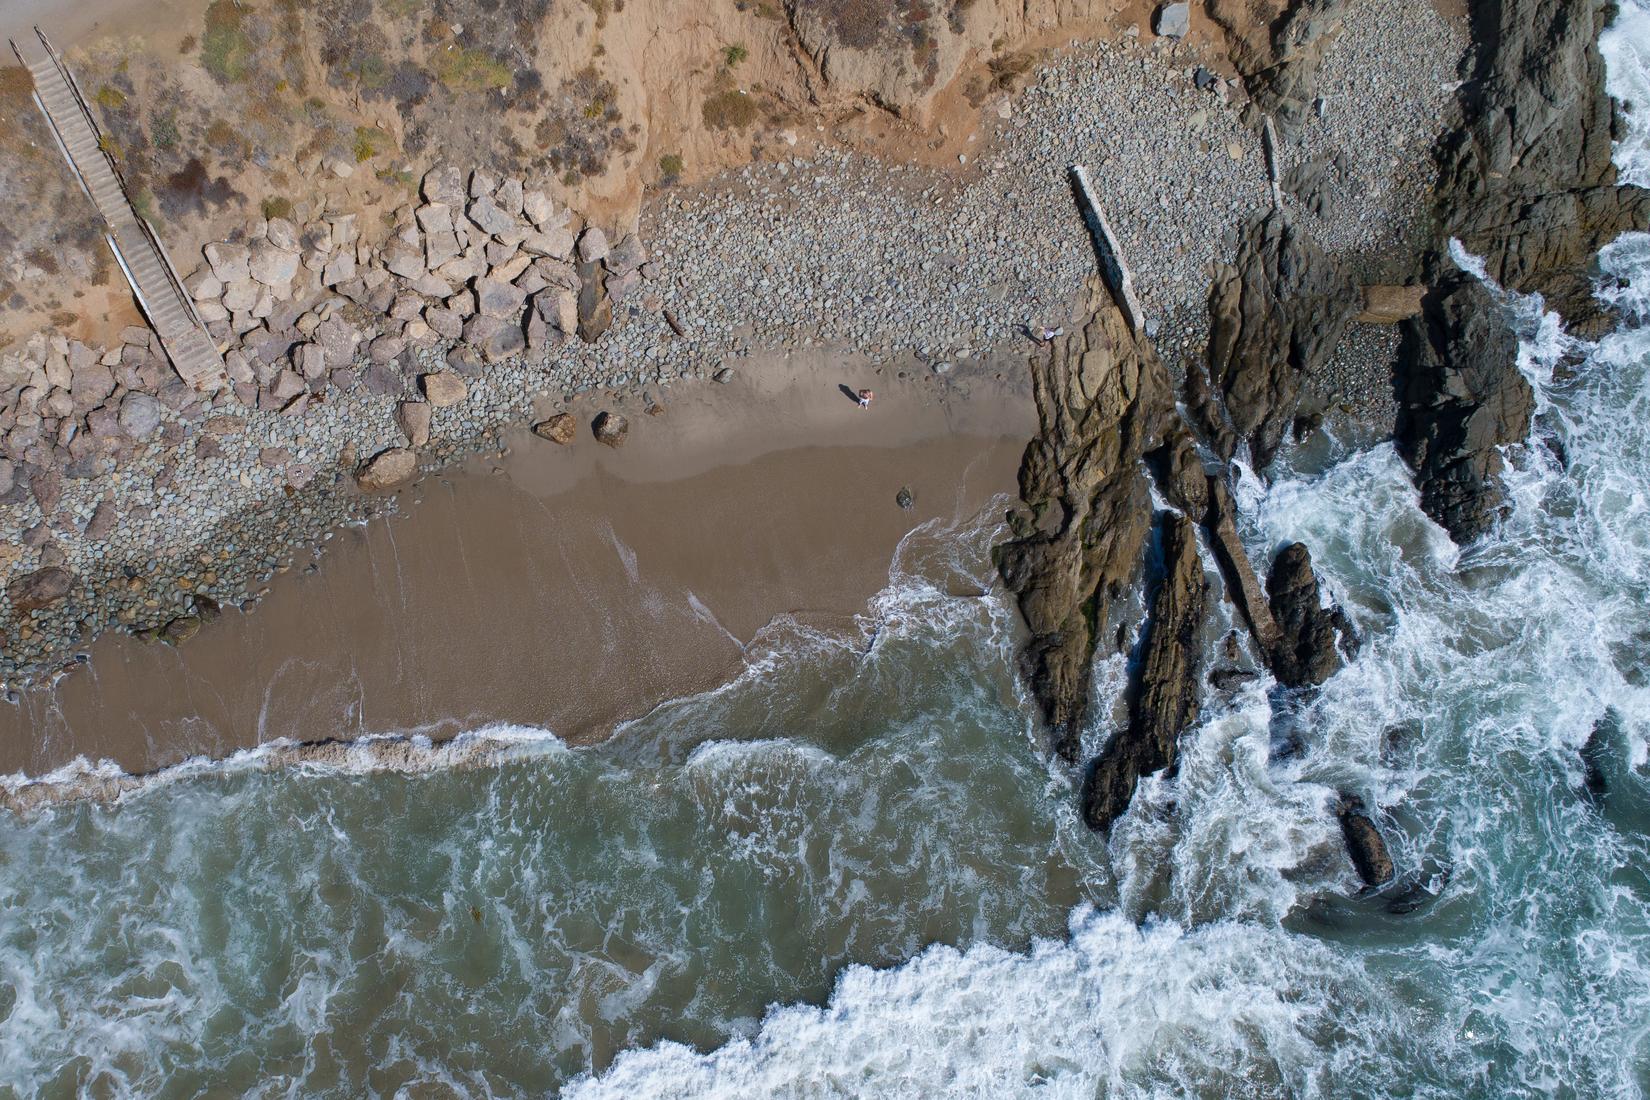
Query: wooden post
[1113, 270]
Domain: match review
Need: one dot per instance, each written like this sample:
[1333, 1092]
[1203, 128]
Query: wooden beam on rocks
[1274, 169]
[1113, 271]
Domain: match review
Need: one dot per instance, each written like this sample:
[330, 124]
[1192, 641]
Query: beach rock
[272, 266]
[445, 185]
[487, 216]
[282, 234]
[561, 428]
[1387, 305]
[228, 261]
[1172, 20]
[1104, 399]
[1276, 314]
[104, 518]
[595, 307]
[1307, 651]
[413, 418]
[387, 470]
[904, 499]
[443, 389]
[139, 415]
[495, 298]
[538, 207]
[1364, 843]
[1164, 701]
[610, 428]
[1461, 398]
[494, 338]
[592, 245]
[180, 629]
[41, 589]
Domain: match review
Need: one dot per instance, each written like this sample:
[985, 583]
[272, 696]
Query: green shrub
[730, 110]
[466, 70]
[369, 142]
[670, 166]
[226, 51]
[277, 206]
[734, 54]
[111, 99]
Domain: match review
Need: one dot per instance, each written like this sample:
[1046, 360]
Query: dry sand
[565, 588]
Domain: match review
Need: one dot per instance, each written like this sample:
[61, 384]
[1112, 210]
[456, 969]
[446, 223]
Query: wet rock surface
[1460, 399]
[1103, 400]
[1165, 698]
[1311, 637]
[1364, 843]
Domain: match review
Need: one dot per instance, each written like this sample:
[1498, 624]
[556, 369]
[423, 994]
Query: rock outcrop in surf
[1460, 399]
[1104, 399]
[1165, 695]
[1311, 637]
[1528, 182]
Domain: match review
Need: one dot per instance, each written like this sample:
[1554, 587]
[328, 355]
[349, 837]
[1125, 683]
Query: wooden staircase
[137, 248]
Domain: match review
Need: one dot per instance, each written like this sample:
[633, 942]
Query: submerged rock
[1165, 699]
[1364, 843]
[1103, 401]
[1461, 398]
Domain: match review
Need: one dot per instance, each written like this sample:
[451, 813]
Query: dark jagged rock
[1364, 843]
[1307, 651]
[1165, 697]
[1179, 473]
[595, 307]
[1595, 754]
[1460, 398]
[1279, 55]
[1103, 400]
[1242, 586]
[1275, 315]
[1528, 182]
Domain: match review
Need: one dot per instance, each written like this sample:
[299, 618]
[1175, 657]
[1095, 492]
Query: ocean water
[850, 872]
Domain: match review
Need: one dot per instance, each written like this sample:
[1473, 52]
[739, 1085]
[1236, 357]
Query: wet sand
[563, 588]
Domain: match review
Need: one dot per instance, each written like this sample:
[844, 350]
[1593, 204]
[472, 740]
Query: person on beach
[865, 397]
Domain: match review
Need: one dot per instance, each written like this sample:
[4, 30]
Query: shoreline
[508, 588]
[932, 273]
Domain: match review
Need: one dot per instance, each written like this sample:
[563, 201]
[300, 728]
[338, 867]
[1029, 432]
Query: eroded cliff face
[1104, 400]
[1277, 47]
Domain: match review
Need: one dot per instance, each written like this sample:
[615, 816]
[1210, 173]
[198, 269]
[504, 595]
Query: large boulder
[413, 418]
[494, 338]
[41, 589]
[1461, 398]
[387, 470]
[1164, 701]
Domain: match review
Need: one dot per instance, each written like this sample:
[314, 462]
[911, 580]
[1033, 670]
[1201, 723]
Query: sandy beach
[567, 588]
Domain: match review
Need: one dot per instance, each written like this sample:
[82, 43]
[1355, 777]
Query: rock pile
[490, 264]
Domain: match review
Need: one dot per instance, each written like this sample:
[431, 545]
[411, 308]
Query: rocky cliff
[1527, 182]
